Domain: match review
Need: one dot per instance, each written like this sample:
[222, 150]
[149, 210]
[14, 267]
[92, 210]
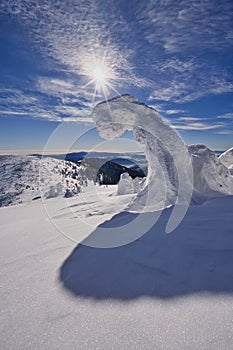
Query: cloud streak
[193, 25]
[197, 126]
[190, 82]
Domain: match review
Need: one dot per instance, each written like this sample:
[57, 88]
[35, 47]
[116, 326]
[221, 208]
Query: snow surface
[159, 292]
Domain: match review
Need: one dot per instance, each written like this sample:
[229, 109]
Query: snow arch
[169, 179]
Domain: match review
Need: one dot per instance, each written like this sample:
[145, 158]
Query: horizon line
[29, 152]
[62, 151]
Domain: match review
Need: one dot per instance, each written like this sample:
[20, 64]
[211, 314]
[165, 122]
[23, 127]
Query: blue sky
[176, 56]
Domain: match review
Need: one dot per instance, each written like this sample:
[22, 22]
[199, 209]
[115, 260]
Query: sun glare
[101, 75]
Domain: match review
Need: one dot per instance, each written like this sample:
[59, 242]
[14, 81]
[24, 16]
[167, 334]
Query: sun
[100, 74]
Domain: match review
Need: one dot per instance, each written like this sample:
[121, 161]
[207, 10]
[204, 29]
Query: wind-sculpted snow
[169, 179]
[210, 175]
[127, 185]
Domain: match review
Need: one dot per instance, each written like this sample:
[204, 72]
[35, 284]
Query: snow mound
[125, 185]
[168, 181]
[210, 175]
[128, 185]
[27, 178]
[226, 158]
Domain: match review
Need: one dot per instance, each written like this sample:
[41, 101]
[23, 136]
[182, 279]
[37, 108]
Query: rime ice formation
[176, 174]
[226, 158]
[210, 176]
[168, 180]
[27, 178]
[127, 185]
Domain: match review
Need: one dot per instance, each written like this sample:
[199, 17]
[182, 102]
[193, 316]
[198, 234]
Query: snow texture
[159, 292]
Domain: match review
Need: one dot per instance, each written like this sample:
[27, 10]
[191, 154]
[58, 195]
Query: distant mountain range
[110, 165]
[27, 178]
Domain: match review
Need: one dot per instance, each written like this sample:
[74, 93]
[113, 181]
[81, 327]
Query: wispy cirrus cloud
[22, 103]
[57, 115]
[71, 37]
[181, 81]
[226, 116]
[160, 48]
[55, 87]
[178, 65]
[174, 111]
[196, 124]
[14, 96]
[72, 33]
[193, 25]
[10, 112]
[190, 119]
[224, 132]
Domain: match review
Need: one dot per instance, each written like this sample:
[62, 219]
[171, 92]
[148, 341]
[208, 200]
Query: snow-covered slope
[26, 178]
[226, 158]
[159, 292]
[211, 177]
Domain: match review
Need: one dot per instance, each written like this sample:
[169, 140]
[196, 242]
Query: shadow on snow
[196, 257]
